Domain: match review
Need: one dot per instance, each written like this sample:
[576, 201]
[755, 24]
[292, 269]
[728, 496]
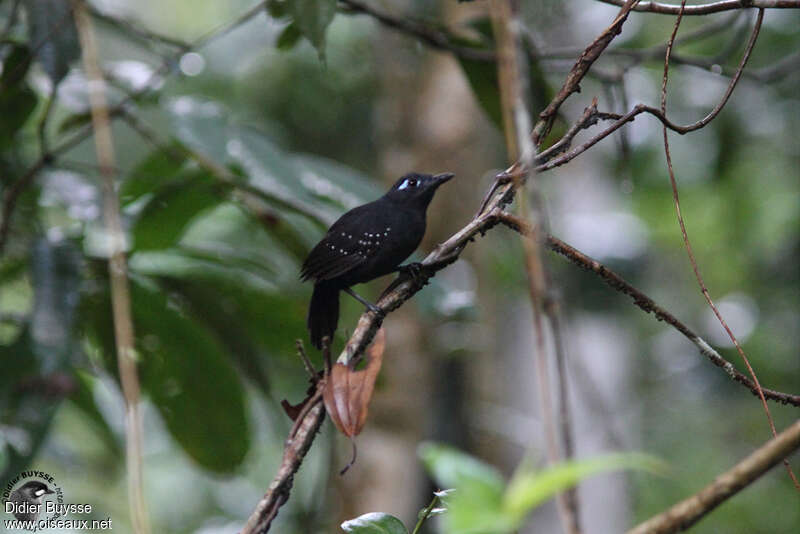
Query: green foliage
[163, 219]
[481, 502]
[482, 75]
[528, 488]
[25, 413]
[54, 35]
[307, 18]
[17, 100]
[220, 214]
[476, 504]
[308, 185]
[375, 523]
[312, 18]
[185, 372]
[289, 37]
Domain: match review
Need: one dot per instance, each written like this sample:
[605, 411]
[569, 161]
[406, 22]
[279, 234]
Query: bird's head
[417, 188]
[35, 490]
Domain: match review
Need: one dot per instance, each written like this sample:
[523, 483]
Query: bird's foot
[413, 271]
[370, 306]
[376, 310]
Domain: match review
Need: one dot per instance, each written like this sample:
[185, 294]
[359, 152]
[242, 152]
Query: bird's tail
[323, 313]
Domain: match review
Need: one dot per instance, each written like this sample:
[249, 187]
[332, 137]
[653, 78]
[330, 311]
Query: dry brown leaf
[347, 391]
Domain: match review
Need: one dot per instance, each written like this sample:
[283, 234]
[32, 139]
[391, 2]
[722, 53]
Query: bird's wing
[330, 259]
[343, 248]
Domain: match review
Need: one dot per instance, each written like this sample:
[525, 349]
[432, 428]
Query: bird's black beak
[439, 179]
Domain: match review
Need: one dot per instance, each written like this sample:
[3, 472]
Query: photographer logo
[33, 501]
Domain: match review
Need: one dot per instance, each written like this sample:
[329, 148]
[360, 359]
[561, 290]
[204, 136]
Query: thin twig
[551, 309]
[425, 514]
[686, 513]
[517, 126]
[579, 70]
[137, 30]
[301, 351]
[436, 38]
[117, 268]
[706, 9]
[687, 243]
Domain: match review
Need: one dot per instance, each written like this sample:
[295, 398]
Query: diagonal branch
[689, 511]
[648, 305]
[305, 429]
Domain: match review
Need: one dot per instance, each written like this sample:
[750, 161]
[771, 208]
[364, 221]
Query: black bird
[366, 242]
[27, 500]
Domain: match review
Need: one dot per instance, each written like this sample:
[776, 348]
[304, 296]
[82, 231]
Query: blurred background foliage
[235, 152]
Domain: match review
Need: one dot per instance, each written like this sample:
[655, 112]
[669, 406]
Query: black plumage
[366, 242]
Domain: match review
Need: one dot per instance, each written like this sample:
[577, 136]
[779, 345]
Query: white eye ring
[408, 182]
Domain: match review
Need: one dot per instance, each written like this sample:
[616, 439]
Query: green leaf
[475, 506]
[186, 373]
[375, 523]
[54, 36]
[16, 105]
[277, 8]
[482, 78]
[159, 168]
[16, 63]
[288, 37]
[317, 188]
[25, 413]
[164, 218]
[200, 265]
[529, 489]
[453, 468]
[312, 18]
[482, 75]
[83, 399]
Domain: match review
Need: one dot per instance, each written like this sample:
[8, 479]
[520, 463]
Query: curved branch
[689, 511]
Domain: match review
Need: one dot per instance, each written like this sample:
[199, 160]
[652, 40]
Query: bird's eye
[408, 183]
